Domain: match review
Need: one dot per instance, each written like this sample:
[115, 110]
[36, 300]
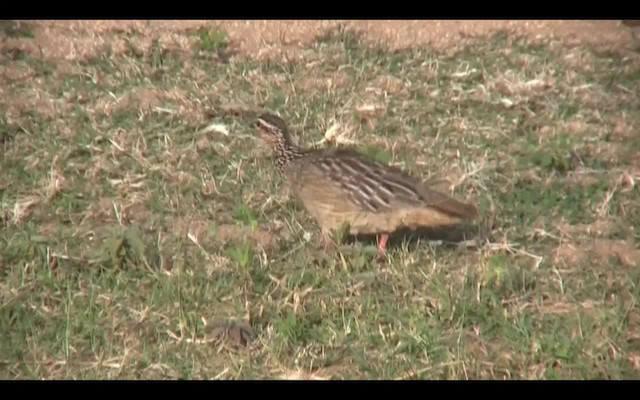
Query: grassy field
[140, 218]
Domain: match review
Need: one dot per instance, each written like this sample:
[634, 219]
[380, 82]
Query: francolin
[342, 188]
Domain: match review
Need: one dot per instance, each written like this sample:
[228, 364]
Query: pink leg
[382, 245]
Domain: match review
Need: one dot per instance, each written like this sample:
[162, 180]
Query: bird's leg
[382, 245]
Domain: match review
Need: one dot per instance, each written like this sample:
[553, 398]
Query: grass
[132, 218]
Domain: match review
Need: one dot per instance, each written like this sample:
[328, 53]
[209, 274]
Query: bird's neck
[287, 151]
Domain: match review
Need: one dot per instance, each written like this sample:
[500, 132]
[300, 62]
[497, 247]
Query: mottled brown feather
[345, 186]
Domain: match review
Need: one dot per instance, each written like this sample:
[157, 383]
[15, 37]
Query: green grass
[130, 223]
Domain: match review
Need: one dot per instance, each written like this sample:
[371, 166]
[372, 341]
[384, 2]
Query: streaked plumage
[343, 186]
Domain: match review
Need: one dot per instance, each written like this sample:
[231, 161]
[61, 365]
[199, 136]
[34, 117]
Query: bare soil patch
[602, 250]
[79, 39]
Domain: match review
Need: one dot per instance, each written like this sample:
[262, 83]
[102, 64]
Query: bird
[342, 188]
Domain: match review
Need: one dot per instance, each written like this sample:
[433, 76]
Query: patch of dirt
[80, 39]
[139, 98]
[145, 100]
[197, 228]
[102, 210]
[313, 83]
[566, 307]
[606, 153]
[601, 251]
[581, 178]
[136, 213]
[598, 228]
[475, 344]
[22, 210]
[202, 231]
[319, 374]
[232, 233]
[623, 129]
[36, 101]
[580, 60]
[49, 229]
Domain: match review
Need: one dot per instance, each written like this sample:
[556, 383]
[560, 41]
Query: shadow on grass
[449, 237]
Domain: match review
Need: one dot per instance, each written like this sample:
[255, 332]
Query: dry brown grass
[72, 40]
[137, 208]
